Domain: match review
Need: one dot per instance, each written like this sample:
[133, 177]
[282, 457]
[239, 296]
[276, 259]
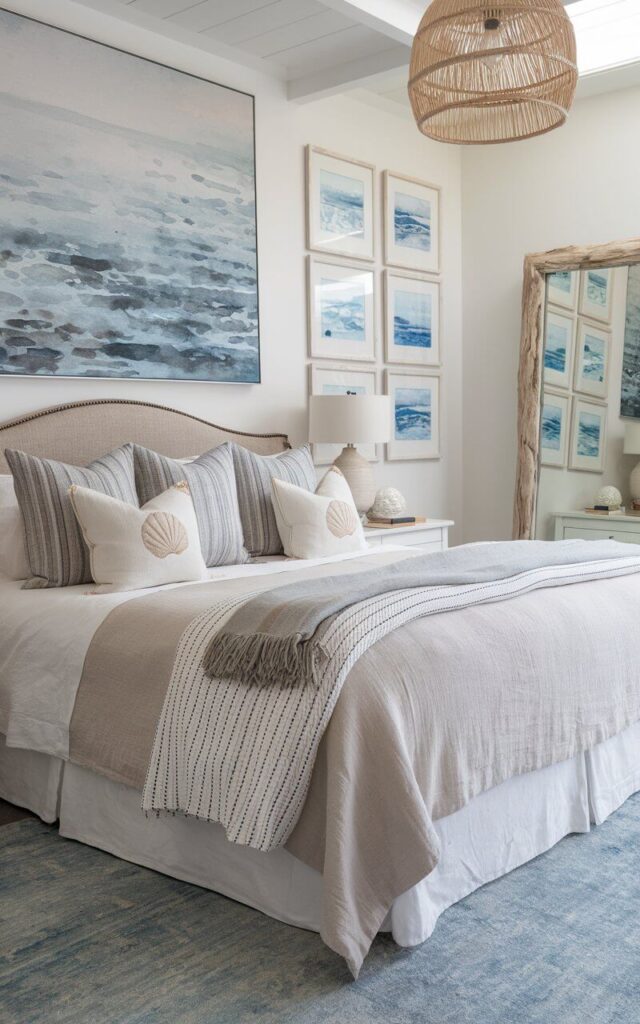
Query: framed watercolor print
[341, 310]
[341, 380]
[559, 336]
[588, 435]
[412, 319]
[340, 198]
[593, 345]
[411, 218]
[563, 287]
[596, 293]
[415, 415]
[130, 216]
[554, 429]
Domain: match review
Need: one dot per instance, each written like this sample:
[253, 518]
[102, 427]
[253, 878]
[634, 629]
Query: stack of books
[635, 509]
[386, 524]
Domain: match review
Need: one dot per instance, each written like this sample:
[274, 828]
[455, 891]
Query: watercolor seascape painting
[630, 387]
[341, 204]
[551, 426]
[589, 430]
[128, 218]
[597, 285]
[561, 281]
[593, 358]
[342, 310]
[412, 414]
[412, 222]
[556, 347]
[412, 319]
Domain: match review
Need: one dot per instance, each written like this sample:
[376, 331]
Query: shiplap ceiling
[318, 47]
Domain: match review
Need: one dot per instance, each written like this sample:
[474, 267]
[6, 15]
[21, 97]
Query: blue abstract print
[412, 414]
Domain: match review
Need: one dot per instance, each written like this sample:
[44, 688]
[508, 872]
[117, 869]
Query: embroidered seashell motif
[163, 534]
[182, 486]
[342, 520]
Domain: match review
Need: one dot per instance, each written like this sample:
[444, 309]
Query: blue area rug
[88, 939]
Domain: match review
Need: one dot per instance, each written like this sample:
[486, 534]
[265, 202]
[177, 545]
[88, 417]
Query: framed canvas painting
[415, 415]
[554, 429]
[593, 345]
[412, 319]
[411, 223]
[341, 310]
[559, 335]
[563, 287]
[128, 204]
[340, 197]
[341, 380]
[596, 294]
[588, 435]
[630, 385]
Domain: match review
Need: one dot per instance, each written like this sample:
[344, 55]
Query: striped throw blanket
[233, 750]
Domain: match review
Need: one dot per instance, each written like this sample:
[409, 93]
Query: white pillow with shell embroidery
[133, 548]
[316, 525]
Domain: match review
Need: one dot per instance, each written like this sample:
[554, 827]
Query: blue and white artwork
[558, 349]
[561, 281]
[597, 286]
[127, 213]
[630, 387]
[341, 204]
[592, 368]
[593, 360]
[554, 429]
[589, 429]
[562, 288]
[412, 222]
[551, 427]
[342, 310]
[588, 443]
[412, 412]
[412, 319]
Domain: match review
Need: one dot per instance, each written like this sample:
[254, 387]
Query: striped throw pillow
[254, 474]
[212, 485]
[57, 553]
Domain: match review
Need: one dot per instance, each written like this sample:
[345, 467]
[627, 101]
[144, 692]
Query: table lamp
[351, 419]
[632, 447]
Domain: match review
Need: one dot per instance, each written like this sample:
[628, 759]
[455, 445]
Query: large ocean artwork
[127, 215]
[630, 391]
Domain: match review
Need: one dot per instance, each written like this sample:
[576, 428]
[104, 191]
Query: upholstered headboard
[82, 431]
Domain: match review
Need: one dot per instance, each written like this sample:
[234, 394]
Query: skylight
[607, 33]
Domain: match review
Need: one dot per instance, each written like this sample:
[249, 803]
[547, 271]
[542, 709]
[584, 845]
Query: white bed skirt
[496, 832]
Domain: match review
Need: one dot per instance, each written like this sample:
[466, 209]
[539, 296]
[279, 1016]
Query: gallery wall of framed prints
[374, 304]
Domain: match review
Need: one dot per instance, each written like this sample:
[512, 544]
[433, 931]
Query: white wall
[282, 130]
[577, 185]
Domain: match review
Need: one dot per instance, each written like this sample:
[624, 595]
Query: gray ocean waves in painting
[124, 253]
[630, 389]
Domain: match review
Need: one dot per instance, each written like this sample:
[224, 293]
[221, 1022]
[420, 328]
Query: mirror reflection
[590, 423]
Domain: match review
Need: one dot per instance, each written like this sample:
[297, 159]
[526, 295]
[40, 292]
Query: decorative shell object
[163, 534]
[388, 502]
[609, 496]
[342, 519]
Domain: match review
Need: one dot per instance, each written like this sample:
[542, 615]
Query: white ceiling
[318, 47]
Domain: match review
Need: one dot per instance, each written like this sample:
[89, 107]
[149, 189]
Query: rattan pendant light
[492, 72]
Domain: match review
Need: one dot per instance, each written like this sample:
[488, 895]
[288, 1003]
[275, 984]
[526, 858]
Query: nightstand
[586, 526]
[430, 536]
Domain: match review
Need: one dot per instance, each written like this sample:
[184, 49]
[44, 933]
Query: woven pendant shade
[492, 72]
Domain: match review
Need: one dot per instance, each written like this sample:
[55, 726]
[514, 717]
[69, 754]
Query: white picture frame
[592, 353]
[562, 288]
[415, 415]
[596, 294]
[588, 435]
[559, 344]
[411, 217]
[338, 380]
[555, 426]
[411, 319]
[341, 310]
[340, 204]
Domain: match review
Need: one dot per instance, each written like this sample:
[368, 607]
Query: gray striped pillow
[253, 479]
[212, 485]
[58, 555]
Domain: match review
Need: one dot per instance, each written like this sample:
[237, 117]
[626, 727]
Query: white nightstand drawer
[430, 536]
[593, 533]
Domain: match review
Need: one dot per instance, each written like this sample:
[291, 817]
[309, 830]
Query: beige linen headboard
[79, 432]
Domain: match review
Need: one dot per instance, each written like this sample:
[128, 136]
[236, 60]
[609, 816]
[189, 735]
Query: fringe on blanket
[264, 660]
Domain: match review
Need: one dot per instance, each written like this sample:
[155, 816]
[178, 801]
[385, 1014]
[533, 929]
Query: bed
[493, 830]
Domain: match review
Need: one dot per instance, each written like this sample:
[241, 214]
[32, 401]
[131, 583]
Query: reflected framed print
[340, 198]
[411, 223]
[588, 435]
[559, 337]
[593, 345]
[554, 429]
[596, 294]
[415, 415]
[341, 310]
[563, 288]
[341, 380]
[411, 319]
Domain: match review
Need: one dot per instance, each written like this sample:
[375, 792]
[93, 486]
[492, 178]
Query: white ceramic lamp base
[359, 475]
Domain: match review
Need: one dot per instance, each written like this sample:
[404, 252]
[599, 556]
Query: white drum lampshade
[350, 420]
[632, 447]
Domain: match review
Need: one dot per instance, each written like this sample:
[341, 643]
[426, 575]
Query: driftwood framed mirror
[537, 268]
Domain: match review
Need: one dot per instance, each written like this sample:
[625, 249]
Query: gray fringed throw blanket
[276, 637]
